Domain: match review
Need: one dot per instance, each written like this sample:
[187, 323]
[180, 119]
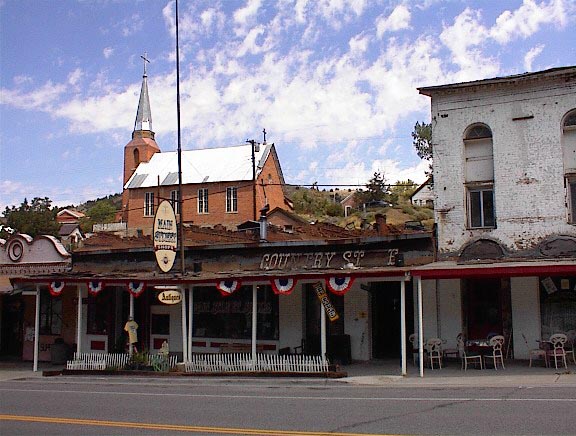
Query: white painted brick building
[505, 208]
[527, 163]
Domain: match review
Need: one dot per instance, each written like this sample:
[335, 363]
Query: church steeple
[143, 121]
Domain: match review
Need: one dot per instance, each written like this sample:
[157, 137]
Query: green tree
[35, 218]
[102, 212]
[422, 141]
[376, 189]
[402, 190]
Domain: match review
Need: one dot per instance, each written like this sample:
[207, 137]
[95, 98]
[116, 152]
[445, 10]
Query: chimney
[380, 224]
[264, 223]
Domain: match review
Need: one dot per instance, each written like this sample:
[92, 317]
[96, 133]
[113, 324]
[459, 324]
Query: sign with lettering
[323, 297]
[165, 236]
[170, 297]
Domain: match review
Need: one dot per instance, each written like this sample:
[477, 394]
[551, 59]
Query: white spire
[144, 114]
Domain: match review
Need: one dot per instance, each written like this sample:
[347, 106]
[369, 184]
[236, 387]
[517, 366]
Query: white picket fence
[240, 362]
[101, 361]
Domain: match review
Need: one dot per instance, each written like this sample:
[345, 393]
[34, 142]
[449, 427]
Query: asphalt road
[144, 406]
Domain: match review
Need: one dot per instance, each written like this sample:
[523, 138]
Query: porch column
[254, 319]
[37, 329]
[420, 327]
[403, 324]
[184, 328]
[79, 321]
[190, 320]
[323, 333]
[131, 316]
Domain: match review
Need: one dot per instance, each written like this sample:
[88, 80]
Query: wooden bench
[240, 348]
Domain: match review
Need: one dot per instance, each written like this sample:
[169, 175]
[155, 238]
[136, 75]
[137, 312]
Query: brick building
[504, 177]
[226, 185]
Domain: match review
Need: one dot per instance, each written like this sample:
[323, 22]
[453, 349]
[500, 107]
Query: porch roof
[211, 278]
[449, 269]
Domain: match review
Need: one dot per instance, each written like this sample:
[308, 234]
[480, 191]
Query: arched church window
[136, 157]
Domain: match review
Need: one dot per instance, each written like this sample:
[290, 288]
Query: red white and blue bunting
[94, 287]
[56, 288]
[136, 288]
[228, 287]
[339, 285]
[283, 285]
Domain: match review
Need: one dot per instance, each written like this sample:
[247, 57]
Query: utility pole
[255, 148]
[180, 198]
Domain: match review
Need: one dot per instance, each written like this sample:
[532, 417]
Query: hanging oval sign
[170, 297]
[165, 235]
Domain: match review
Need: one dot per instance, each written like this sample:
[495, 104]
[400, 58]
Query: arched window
[136, 157]
[479, 176]
[569, 161]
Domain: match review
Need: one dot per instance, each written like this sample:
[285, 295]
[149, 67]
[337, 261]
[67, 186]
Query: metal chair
[415, 352]
[452, 352]
[570, 344]
[434, 349]
[557, 350]
[464, 357]
[497, 344]
[535, 353]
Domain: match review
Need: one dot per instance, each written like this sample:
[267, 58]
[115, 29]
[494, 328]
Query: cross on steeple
[145, 58]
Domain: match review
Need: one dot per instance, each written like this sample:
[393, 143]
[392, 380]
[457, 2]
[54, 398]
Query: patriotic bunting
[136, 288]
[228, 287]
[95, 287]
[56, 288]
[283, 286]
[339, 285]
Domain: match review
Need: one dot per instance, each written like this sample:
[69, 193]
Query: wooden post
[190, 320]
[184, 328]
[254, 319]
[37, 329]
[420, 327]
[79, 322]
[403, 324]
[323, 333]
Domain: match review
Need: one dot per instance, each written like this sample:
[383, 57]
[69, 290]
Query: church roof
[208, 165]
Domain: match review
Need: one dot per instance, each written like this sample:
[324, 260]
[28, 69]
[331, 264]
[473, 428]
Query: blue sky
[332, 81]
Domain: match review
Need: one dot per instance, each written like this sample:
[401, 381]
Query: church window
[479, 177]
[231, 199]
[136, 157]
[149, 204]
[175, 201]
[203, 200]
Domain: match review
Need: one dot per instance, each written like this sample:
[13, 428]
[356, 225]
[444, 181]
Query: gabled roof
[422, 186]
[71, 212]
[208, 165]
[67, 229]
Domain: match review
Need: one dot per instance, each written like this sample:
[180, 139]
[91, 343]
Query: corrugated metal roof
[224, 164]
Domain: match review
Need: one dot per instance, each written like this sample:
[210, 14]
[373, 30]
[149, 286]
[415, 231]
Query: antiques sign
[323, 297]
[170, 297]
[165, 236]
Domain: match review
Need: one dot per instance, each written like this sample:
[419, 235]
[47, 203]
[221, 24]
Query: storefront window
[99, 308]
[557, 304]
[216, 316]
[50, 314]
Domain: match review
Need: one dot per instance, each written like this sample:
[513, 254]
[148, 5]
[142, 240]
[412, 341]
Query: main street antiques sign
[165, 236]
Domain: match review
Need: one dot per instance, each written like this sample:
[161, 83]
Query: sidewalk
[386, 373]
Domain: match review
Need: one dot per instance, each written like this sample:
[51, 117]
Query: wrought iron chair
[570, 344]
[496, 357]
[557, 350]
[452, 352]
[464, 357]
[434, 349]
[415, 352]
[535, 353]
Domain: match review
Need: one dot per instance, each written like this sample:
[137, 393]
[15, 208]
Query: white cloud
[75, 76]
[399, 19]
[246, 16]
[531, 55]
[42, 98]
[132, 25]
[107, 52]
[527, 19]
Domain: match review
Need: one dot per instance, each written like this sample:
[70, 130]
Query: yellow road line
[185, 428]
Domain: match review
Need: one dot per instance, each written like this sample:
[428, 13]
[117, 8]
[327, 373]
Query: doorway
[487, 307]
[12, 326]
[385, 309]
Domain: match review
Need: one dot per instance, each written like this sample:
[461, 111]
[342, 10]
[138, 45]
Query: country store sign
[165, 236]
